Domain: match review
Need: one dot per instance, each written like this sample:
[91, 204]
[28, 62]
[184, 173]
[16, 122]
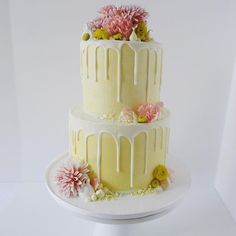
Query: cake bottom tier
[122, 156]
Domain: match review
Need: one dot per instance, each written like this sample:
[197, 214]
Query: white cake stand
[112, 217]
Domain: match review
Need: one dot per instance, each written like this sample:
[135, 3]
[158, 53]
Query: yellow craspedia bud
[85, 36]
[141, 31]
[118, 36]
[142, 119]
[101, 34]
[160, 173]
[155, 183]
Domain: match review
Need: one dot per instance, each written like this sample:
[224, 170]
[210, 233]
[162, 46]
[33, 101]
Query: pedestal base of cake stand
[116, 217]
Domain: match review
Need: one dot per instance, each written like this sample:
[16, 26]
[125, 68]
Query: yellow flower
[142, 32]
[85, 36]
[160, 173]
[155, 183]
[118, 36]
[142, 119]
[101, 34]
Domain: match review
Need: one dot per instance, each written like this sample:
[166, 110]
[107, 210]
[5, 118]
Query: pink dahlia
[119, 19]
[71, 177]
[150, 111]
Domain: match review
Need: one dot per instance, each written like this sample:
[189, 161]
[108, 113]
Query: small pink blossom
[150, 111]
[95, 182]
[171, 175]
[97, 23]
[71, 177]
[127, 115]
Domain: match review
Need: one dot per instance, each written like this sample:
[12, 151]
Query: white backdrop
[226, 166]
[198, 39]
[9, 135]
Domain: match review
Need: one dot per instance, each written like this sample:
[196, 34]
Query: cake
[119, 136]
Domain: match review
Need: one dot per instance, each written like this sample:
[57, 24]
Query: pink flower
[107, 10]
[171, 174]
[119, 19]
[71, 177]
[95, 182]
[118, 24]
[150, 111]
[97, 23]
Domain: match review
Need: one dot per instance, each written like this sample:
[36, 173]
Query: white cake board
[111, 216]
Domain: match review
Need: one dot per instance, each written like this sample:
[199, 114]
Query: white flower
[93, 197]
[159, 189]
[133, 36]
[86, 191]
[100, 193]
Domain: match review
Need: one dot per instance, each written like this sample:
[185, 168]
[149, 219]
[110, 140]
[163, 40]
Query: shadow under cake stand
[112, 217]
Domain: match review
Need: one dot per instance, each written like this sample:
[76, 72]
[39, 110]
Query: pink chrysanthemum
[71, 177]
[108, 9]
[119, 19]
[150, 111]
[118, 24]
[97, 23]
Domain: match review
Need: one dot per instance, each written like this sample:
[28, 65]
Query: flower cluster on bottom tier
[76, 179]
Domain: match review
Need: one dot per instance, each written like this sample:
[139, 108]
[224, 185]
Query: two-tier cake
[119, 136]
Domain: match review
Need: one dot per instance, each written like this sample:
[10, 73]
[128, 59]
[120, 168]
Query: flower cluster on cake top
[126, 22]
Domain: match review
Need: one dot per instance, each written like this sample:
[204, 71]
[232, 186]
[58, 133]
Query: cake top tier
[126, 22]
[121, 66]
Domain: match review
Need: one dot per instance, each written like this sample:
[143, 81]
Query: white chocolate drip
[146, 153]
[95, 64]
[160, 72]
[132, 164]
[167, 140]
[106, 63]
[99, 155]
[148, 75]
[135, 67]
[135, 46]
[161, 137]
[117, 154]
[156, 67]
[86, 62]
[86, 148]
[75, 134]
[156, 140]
[118, 76]
[81, 63]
